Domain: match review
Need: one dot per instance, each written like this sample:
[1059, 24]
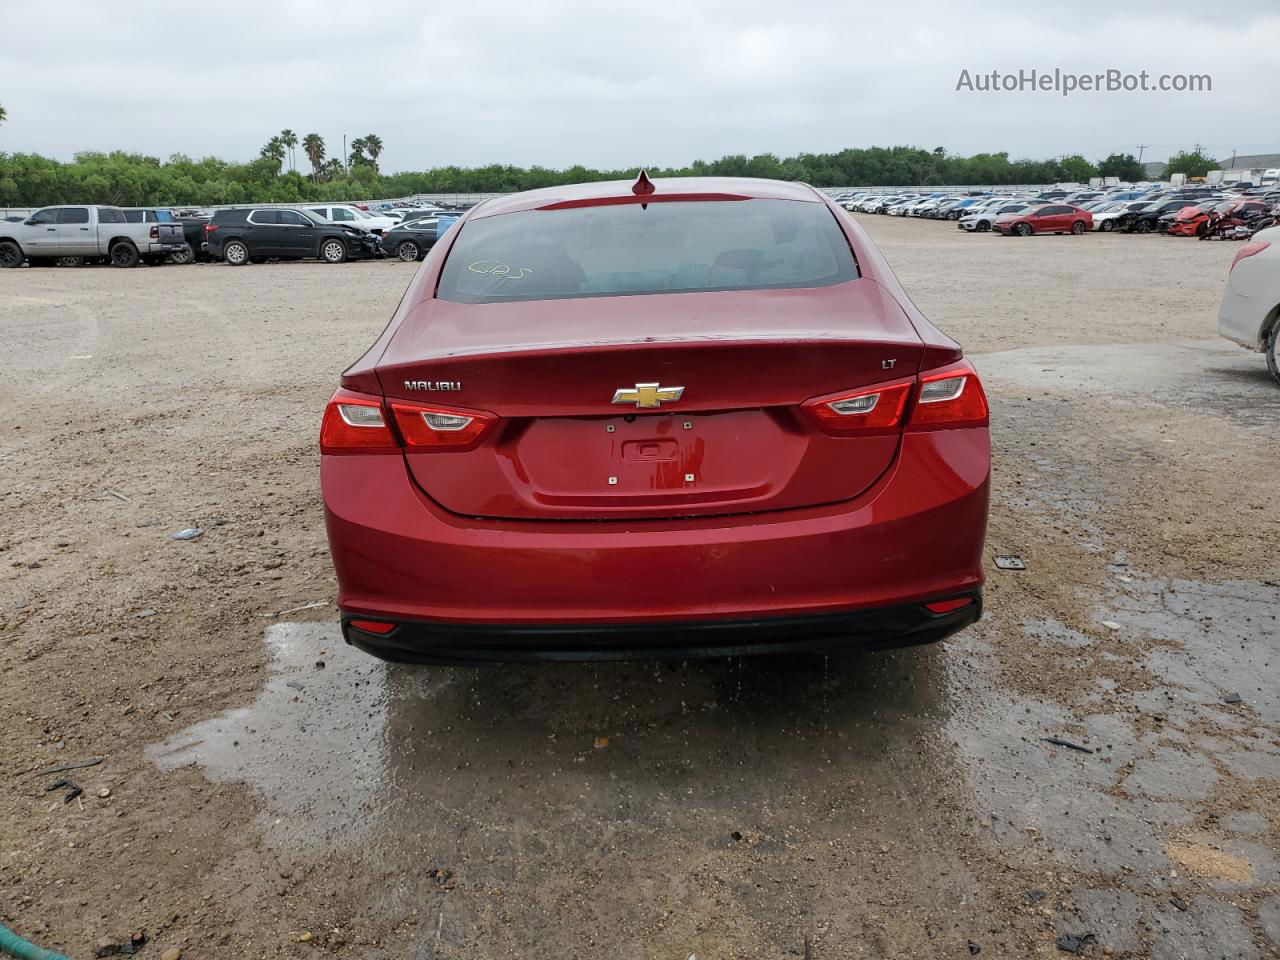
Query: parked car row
[72, 234]
[1205, 212]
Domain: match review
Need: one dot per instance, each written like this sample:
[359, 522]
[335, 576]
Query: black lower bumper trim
[883, 628]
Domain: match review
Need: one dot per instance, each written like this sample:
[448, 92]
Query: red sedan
[1049, 218]
[685, 418]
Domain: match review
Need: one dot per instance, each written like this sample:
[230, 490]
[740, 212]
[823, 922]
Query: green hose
[15, 946]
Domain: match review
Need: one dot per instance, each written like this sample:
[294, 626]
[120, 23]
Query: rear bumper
[915, 536]
[451, 643]
[1243, 319]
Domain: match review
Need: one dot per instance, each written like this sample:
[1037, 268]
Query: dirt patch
[1202, 860]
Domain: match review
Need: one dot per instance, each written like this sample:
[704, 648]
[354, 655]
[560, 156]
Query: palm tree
[373, 144]
[357, 152]
[290, 140]
[3, 115]
[313, 147]
[274, 151]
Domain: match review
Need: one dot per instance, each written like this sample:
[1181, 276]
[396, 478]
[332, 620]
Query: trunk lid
[734, 440]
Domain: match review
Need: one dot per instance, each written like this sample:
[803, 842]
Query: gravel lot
[252, 803]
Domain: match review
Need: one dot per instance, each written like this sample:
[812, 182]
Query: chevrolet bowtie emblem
[648, 395]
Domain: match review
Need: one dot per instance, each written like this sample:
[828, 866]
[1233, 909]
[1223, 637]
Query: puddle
[539, 781]
[756, 769]
[314, 743]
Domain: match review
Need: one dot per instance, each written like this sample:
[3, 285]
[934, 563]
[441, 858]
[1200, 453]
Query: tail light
[154, 233]
[209, 228]
[357, 423]
[949, 396]
[426, 428]
[872, 410]
[1248, 250]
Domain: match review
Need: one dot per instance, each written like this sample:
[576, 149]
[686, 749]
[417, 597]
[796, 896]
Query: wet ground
[274, 793]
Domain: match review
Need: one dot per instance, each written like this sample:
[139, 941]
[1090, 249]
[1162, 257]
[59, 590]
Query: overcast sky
[625, 83]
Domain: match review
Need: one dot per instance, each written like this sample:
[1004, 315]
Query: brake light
[951, 396]
[1248, 250]
[154, 233]
[425, 428]
[355, 423]
[209, 228]
[873, 409]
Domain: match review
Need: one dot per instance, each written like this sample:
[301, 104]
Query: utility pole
[1233, 158]
[345, 165]
[1141, 147]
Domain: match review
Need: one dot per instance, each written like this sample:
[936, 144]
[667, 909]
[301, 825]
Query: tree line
[131, 179]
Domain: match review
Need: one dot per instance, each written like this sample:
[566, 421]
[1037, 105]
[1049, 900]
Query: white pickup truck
[90, 232]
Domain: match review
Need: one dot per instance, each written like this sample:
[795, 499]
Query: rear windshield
[667, 247]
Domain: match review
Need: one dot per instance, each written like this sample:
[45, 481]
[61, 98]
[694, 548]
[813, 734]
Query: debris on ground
[73, 789]
[1074, 943]
[190, 533]
[306, 606]
[443, 877]
[1059, 742]
[1233, 698]
[601, 742]
[143, 614]
[118, 495]
[1035, 896]
[109, 948]
[77, 765]
[974, 948]
[1010, 561]
[1180, 904]
[173, 953]
[1111, 624]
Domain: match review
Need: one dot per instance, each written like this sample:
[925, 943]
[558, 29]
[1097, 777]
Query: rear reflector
[1248, 250]
[379, 627]
[946, 606]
